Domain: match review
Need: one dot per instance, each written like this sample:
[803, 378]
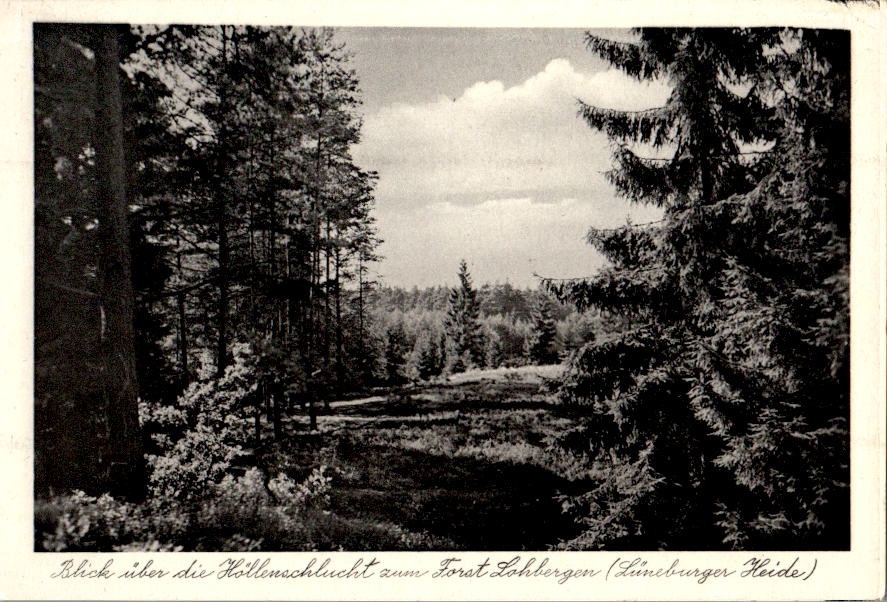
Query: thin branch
[574, 279]
[722, 156]
[643, 225]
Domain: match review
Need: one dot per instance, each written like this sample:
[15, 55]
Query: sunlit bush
[80, 522]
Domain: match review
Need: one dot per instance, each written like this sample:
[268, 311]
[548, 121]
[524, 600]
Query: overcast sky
[480, 153]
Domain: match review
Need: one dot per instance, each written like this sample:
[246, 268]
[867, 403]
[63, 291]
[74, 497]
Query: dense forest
[513, 327]
[206, 305]
[246, 221]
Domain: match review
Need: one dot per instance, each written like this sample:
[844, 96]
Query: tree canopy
[720, 416]
[247, 221]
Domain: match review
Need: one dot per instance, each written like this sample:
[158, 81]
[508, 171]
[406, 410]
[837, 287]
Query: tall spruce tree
[540, 345]
[707, 417]
[464, 336]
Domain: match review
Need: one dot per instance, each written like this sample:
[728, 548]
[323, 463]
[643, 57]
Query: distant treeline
[411, 324]
[501, 299]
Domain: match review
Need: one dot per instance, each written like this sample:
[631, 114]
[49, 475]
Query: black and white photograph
[441, 289]
[316, 288]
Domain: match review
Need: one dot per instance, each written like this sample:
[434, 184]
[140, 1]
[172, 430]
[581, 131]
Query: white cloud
[508, 178]
[496, 141]
[502, 239]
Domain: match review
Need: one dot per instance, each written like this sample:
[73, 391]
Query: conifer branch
[628, 226]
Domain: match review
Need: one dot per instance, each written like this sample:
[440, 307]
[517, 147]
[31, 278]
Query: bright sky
[480, 152]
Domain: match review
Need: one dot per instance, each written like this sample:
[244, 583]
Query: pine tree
[442, 347]
[495, 352]
[426, 356]
[540, 347]
[464, 337]
[707, 412]
[395, 354]
[244, 215]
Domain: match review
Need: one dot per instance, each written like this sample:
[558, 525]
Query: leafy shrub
[265, 514]
[226, 404]
[240, 502]
[203, 433]
[192, 467]
[312, 492]
[80, 522]
[242, 513]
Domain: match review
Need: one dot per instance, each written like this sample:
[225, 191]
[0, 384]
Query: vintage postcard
[430, 301]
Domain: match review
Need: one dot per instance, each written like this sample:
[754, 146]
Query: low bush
[195, 502]
[237, 513]
[83, 523]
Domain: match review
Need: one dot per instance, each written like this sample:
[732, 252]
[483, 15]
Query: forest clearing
[467, 463]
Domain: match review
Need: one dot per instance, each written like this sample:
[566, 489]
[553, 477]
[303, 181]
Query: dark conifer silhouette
[709, 410]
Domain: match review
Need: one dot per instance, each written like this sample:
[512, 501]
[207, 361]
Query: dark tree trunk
[222, 225]
[277, 399]
[183, 340]
[312, 413]
[257, 424]
[267, 395]
[122, 464]
[340, 366]
[222, 315]
[360, 302]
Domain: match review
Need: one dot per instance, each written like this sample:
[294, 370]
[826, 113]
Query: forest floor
[469, 462]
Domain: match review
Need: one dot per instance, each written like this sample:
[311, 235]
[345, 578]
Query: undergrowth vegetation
[443, 467]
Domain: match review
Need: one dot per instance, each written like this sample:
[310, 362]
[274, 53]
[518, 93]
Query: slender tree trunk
[277, 400]
[123, 464]
[340, 372]
[360, 300]
[183, 340]
[290, 274]
[327, 311]
[317, 239]
[274, 309]
[184, 376]
[222, 317]
[222, 225]
[327, 315]
[312, 413]
[257, 418]
[251, 240]
[268, 394]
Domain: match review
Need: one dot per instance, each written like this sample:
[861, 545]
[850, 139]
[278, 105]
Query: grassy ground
[467, 463]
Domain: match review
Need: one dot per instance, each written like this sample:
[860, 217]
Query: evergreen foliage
[719, 417]
[464, 335]
[396, 349]
[247, 221]
[427, 361]
[540, 346]
[495, 348]
[494, 299]
[503, 331]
